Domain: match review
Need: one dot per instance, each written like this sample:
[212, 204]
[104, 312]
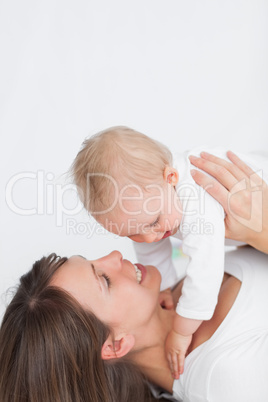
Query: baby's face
[145, 216]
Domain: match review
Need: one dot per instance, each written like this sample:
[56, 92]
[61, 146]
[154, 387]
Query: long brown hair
[50, 348]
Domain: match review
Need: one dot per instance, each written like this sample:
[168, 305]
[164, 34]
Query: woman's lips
[168, 233]
[143, 271]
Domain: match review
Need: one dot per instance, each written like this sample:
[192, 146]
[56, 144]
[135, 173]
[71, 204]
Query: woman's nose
[114, 260]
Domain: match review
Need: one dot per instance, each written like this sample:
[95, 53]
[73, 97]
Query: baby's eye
[108, 280]
[155, 223]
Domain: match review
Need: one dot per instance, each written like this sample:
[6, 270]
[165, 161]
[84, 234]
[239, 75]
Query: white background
[184, 72]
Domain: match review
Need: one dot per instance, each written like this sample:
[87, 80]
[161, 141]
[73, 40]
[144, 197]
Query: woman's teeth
[138, 274]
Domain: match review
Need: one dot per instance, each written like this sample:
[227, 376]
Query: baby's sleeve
[203, 236]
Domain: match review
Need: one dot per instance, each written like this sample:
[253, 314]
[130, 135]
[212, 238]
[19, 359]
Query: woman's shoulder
[234, 353]
[247, 264]
[235, 372]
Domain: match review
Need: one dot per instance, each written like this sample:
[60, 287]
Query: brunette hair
[113, 158]
[50, 348]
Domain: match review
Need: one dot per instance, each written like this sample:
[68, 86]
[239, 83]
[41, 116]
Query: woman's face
[110, 288]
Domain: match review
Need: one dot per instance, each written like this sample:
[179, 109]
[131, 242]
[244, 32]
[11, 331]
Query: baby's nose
[150, 238]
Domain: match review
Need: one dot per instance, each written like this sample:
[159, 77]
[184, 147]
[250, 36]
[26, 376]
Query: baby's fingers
[173, 365]
[181, 359]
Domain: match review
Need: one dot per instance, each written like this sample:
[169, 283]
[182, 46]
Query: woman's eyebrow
[96, 276]
[94, 272]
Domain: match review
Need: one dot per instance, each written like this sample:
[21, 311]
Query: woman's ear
[117, 348]
[171, 175]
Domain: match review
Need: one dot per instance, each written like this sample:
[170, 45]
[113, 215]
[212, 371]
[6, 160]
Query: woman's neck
[150, 354]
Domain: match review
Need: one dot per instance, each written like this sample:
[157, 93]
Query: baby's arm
[205, 248]
[178, 342]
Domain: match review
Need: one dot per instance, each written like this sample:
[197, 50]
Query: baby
[134, 187]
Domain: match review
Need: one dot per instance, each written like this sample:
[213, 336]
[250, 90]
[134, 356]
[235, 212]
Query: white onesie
[202, 232]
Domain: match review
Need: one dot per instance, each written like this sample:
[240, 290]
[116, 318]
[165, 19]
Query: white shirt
[233, 364]
[202, 232]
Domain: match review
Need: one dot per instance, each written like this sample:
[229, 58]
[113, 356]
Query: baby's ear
[171, 175]
[112, 349]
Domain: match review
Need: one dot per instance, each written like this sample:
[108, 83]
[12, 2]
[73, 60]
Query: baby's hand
[166, 300]
[176, 348]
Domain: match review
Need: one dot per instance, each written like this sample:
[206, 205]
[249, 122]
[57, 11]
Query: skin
[238, 189]
[93, 292]
[241, 192]
[149, 216]
[140, 326]
[146, 216]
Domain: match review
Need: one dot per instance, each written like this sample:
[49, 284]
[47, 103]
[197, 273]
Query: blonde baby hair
[116, 157]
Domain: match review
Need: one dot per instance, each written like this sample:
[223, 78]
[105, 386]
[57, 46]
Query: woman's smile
[140, 271]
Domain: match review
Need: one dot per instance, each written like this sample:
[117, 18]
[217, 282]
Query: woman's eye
[108, 280]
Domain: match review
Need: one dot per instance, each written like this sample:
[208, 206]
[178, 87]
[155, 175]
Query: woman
[52, 348]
